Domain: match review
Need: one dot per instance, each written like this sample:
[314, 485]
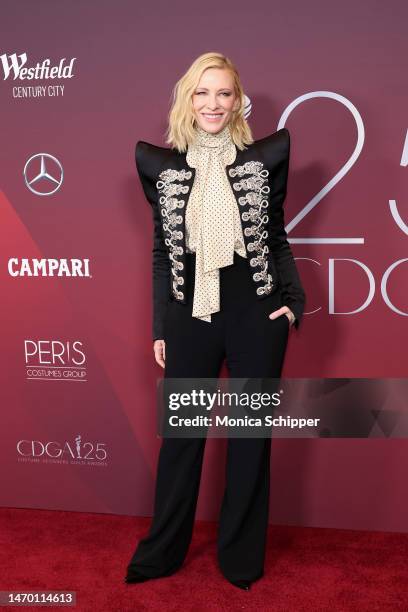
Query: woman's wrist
[290, 316]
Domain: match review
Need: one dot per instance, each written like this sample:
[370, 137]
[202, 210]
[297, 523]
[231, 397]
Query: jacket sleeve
[293, 294]
[148, 162]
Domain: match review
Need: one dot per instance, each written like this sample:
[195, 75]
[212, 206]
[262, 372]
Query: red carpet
[306, 569]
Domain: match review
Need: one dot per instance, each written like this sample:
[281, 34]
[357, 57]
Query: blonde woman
[225, 285]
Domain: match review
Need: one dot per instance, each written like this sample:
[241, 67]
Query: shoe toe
[135, 576]
[242, 584]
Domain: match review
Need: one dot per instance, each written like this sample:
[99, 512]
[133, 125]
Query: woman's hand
[283, 310]
[159, 348]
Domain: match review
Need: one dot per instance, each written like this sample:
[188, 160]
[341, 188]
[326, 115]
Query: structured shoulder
[149, 159]
[275, 147]
[280, 138]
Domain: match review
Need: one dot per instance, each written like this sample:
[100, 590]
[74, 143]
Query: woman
[225, 284]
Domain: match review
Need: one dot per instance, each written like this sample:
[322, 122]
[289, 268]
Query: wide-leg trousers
[253, 346]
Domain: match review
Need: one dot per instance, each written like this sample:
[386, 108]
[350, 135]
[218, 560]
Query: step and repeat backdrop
[80, 84]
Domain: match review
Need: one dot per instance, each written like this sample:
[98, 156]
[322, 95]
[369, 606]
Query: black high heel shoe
[242, 584]
[134, 576]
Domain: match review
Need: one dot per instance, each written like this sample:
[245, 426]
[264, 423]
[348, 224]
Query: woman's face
[214, 100]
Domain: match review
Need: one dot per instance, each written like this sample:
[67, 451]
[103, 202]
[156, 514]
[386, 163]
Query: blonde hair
[181, 121]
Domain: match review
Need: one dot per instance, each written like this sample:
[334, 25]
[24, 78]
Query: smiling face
[214, 100]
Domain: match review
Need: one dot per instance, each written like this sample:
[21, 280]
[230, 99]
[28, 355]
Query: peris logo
[54, 352]
[51, 360]
[16, 65]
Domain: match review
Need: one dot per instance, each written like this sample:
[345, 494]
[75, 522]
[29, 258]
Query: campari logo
[48, 267]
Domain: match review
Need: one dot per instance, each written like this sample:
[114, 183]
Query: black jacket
[258, 178]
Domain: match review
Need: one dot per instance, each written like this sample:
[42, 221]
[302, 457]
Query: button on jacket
[258, 178]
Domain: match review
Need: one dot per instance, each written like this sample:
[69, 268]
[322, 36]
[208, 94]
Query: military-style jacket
[258, 179]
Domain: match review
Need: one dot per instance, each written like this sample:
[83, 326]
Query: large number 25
[337, 177]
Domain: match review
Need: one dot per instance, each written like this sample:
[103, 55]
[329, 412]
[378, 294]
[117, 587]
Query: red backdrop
[78, 378]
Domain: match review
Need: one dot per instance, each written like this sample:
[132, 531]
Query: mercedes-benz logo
[45, 170]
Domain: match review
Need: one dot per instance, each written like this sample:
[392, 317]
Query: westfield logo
[16, 65]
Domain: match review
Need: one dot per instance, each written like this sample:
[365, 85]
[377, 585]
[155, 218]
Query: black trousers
[253, 346]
